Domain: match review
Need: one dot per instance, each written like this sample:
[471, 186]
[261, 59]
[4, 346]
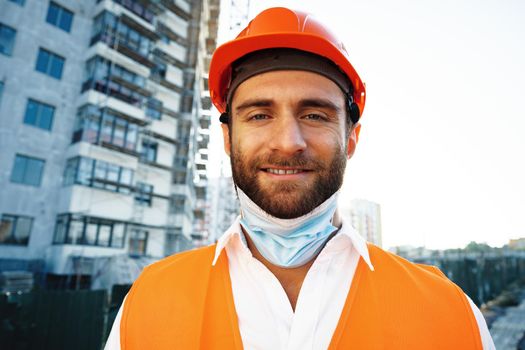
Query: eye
[259, 117]
[314, 116]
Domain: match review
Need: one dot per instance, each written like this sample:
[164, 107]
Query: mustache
[297, 161]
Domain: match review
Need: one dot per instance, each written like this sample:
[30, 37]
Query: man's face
[288, 143]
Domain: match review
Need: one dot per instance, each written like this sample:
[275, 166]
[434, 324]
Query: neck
[291, 279]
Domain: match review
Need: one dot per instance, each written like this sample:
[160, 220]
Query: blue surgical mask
[288, 242]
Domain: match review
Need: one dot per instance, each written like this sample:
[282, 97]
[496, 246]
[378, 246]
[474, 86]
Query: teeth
[282, 171]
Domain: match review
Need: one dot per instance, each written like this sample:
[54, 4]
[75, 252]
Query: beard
[288, 199]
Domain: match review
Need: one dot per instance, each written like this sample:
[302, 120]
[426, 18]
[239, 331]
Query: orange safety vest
[183, 302]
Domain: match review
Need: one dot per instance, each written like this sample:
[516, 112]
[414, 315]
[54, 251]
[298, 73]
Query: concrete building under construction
[104, 130]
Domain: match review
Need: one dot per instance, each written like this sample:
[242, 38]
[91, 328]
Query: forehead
[288, 86]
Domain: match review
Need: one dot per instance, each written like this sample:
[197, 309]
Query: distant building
[414, 253]
[518, 244]
[366, 219]
[104, 129]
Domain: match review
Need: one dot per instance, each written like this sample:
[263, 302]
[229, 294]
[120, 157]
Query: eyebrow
[305, 103]
[254, 103]
[319, 103]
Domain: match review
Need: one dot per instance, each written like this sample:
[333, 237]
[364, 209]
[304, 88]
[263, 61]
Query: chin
[283, 205]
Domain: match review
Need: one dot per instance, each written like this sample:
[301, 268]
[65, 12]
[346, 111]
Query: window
[1, 90]
[160, 69]
[101, 125]
[99, 174]
[154, 108]
[7, 39]
[97, 68]
[143, 194]
[90, 237]
[138, 240]
[87, 124]
[15, 229]
[39, 114]
[177, 204]
[79, 170]
[179, 177]
[118, 131]
[117, 236]
[180, 162]
[84, 230]
[128, 76]
[50, 63]
[59, 16]
[19, 2]
[61, 228]
[149, 151]
[27, 170]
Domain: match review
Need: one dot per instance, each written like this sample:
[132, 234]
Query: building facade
[103, 131]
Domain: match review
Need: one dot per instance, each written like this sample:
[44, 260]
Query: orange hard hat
[280, 27]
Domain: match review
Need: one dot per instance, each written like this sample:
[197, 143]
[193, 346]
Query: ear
[353, 138]
[226, 138]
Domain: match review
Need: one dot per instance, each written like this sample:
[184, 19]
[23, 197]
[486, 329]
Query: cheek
[241, 147]
[249, 141]
[326, 142]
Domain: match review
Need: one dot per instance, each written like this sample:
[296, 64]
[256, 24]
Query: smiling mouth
[284, 171]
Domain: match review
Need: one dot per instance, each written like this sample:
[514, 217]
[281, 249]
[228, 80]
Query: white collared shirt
[266, 318]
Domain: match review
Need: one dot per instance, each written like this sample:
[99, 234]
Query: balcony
[108, 128]
[171, 35]
[180, 163]
[200, 193]
[203, 140]
[168, 59]
[131, 23]
[206, 102]
[125, 47]
[125, 35]
[205, 121]
[114, 89]
[180, 7]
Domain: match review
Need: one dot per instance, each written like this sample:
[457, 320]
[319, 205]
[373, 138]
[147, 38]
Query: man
[290, 273]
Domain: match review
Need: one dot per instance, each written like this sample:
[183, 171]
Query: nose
[287, 136]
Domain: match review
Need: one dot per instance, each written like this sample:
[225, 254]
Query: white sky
[441, 148]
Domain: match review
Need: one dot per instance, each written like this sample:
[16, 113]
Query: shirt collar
[234, 233]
